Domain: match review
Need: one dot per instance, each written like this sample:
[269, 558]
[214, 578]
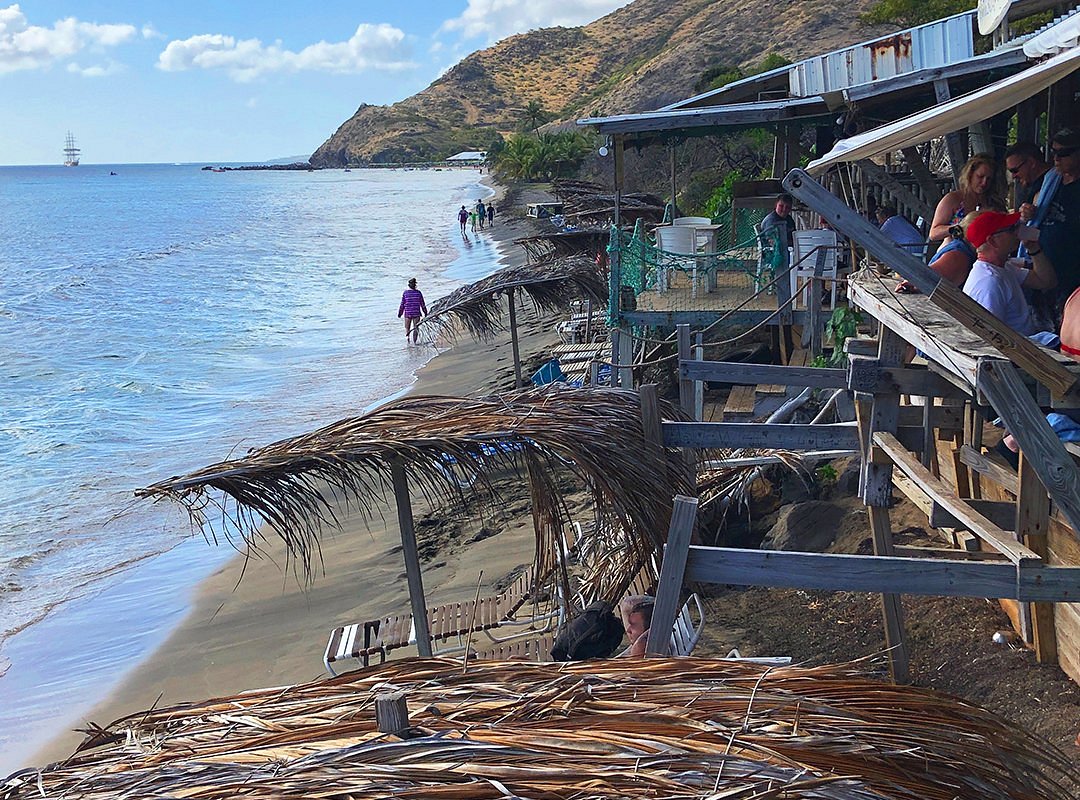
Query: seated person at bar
[900, 230]
[953, 260]
[996, 281]
[636, 612]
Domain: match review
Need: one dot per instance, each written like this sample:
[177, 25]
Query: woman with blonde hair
[978, 192]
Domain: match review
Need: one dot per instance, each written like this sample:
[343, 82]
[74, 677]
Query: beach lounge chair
[449, 624]
[518, 611]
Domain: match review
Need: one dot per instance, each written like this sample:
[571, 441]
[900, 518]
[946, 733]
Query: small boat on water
[71, 152]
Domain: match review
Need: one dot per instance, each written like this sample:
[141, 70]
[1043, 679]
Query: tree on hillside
[913, 12]
[534, 115]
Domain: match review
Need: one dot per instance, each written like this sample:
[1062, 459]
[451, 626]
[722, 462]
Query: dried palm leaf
[551, 285]
[656, 728]
[596, 435]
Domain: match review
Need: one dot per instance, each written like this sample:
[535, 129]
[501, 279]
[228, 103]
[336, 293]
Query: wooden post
[616, 354]
[626, 359]
[957, 155]
[699, 386]
[1032, 525]
[674, 185]
[514, 338]
[619, 163]
[877, 494]
[412, 556]
[686, 386]
[392, 712]
[669, 585]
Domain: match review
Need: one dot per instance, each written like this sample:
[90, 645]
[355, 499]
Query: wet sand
[253, 624]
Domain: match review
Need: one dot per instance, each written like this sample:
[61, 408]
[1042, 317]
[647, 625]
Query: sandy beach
[253, 624]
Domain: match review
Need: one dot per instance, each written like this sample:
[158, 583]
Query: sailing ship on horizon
[71, 152]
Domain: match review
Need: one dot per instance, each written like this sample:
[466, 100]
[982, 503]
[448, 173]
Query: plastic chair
[808, 247]
[691, 221]
[677, 240]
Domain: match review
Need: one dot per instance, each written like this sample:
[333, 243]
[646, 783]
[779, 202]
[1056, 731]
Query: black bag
[594, 633]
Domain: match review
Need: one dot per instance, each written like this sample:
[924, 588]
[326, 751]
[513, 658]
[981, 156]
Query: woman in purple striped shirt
[412, 307]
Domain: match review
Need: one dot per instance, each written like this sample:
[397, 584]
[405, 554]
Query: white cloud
[380, 47]
[150, 32]
[95, 70]
[497, 19]
[26, 46]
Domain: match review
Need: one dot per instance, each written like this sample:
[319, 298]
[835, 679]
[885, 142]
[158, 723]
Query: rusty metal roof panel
[938, 44]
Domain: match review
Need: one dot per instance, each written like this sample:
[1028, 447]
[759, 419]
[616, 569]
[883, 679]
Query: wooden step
[740, 404]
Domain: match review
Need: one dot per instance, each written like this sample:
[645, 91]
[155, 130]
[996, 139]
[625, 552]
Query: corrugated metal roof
[937, 44]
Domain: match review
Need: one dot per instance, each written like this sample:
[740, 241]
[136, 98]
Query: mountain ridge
[642, 56]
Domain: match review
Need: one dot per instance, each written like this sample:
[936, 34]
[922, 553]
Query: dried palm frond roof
[551, 285]
[595, 435]
[591, 203]
[564, 244]
[656, 728]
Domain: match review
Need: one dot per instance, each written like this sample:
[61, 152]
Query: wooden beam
[1053, 464]
[1002, 541]
[999, 512]
[752, 374]
[947, 553]
[890, 574]
[400, 481]
[730, 435]
[1033, 525]
[926, 179]
[669, 584]
[990, 467]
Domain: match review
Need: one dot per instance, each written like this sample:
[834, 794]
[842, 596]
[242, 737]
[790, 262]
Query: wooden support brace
[1046, 454]
[672, 569]
[967, 517]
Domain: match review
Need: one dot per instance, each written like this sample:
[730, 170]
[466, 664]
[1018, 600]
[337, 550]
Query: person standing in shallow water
[462, 218]
[412, 308]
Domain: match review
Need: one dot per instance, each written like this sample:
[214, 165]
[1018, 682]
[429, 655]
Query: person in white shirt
[997, 281]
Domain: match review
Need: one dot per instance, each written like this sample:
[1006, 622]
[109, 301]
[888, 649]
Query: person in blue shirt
[900, 230]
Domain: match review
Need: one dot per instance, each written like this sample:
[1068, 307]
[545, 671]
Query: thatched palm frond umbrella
[689, 728]
[551, 286]
[595, 435]
[564, 244]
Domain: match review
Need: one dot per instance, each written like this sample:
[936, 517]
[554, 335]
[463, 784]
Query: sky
[195, 81]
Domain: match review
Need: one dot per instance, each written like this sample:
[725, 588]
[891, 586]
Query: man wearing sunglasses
[997, 282]
[1056, 212]
[1025, 164]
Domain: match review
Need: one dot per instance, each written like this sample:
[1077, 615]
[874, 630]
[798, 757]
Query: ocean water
[154, 321]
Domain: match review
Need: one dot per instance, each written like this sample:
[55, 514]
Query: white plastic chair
[808, 246]
[685, 633]
[691, 221]
[677, 240]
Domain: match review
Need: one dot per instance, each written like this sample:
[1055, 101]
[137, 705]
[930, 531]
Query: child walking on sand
[412, 307]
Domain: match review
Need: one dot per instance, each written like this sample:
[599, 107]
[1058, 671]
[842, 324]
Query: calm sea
[154, 321]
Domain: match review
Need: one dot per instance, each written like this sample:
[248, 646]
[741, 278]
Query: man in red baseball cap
[996, 282]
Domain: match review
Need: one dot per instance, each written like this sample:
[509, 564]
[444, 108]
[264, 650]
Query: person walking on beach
[412, 307]
[481, 213]
[462, 218]
[472, 220]
[491, 215]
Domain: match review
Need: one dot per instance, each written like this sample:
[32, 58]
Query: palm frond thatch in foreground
[595, 435]
[551, 286]
[656, 728]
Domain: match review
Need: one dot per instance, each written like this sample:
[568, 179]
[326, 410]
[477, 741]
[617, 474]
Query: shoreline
[267, 630]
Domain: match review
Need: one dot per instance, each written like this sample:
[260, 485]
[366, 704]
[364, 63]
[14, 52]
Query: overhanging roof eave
[736, 115]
